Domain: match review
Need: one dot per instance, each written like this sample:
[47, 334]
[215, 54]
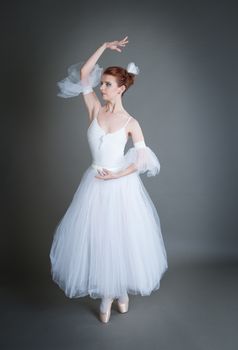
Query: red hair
[122, 76]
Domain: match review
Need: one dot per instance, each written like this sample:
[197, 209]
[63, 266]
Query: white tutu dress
[109, 241]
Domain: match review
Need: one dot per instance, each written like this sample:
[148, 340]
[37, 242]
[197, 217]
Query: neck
[114, 106]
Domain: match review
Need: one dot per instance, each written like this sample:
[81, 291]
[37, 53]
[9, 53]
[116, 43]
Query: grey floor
[195, 308]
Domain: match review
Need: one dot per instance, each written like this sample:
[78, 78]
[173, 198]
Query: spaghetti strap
[127, 121]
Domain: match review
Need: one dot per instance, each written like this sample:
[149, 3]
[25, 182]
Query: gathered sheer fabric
[109, 240]
[72, 85]
[144, 159]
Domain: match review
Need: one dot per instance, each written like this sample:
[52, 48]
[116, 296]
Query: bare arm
[130, 169]
[89, 64]
[90, 98]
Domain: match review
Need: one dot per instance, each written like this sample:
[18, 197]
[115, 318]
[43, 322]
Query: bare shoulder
[135, 131]
[133, 125]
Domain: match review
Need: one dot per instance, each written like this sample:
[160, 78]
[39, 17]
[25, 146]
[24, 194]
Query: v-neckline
[108, 133]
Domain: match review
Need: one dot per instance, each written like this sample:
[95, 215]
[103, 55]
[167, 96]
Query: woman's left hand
[106, 174]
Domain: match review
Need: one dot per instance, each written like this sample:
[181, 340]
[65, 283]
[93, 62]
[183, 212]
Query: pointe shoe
[123, 307]
[105, 316]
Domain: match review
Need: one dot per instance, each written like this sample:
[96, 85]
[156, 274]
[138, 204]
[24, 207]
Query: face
[109, 88]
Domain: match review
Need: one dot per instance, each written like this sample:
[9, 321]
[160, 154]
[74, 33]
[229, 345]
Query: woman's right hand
[113, 45]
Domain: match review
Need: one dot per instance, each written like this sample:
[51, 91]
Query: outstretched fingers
[123, 42]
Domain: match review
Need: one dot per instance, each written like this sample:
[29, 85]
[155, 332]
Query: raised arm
[83, 76]
[90, 98]
[89, 64]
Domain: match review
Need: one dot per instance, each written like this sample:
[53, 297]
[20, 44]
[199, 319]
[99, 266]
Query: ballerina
[109, 242]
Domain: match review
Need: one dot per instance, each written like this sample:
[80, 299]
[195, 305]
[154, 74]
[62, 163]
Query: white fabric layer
[108, 151]
[109, 241]
[72, 85]
[144, 158]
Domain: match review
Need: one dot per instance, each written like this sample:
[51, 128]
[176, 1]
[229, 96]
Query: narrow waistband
[100, 167]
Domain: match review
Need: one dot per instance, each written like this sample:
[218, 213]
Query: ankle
[105, 304]
[123, 299]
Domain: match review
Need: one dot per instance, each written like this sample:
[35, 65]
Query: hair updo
[123, 77]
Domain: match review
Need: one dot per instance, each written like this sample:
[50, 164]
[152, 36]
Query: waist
[100, 167]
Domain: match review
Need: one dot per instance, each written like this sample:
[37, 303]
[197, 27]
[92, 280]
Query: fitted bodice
[107, 149]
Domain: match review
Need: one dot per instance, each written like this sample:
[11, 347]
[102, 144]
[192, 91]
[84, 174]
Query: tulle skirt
[109, 241]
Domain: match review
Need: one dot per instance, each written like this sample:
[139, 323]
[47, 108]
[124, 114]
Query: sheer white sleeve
[72, 85]
[144, 159]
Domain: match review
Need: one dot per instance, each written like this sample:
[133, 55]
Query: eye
[107, 84]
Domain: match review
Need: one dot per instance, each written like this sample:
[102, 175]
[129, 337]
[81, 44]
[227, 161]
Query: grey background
[185, 101]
